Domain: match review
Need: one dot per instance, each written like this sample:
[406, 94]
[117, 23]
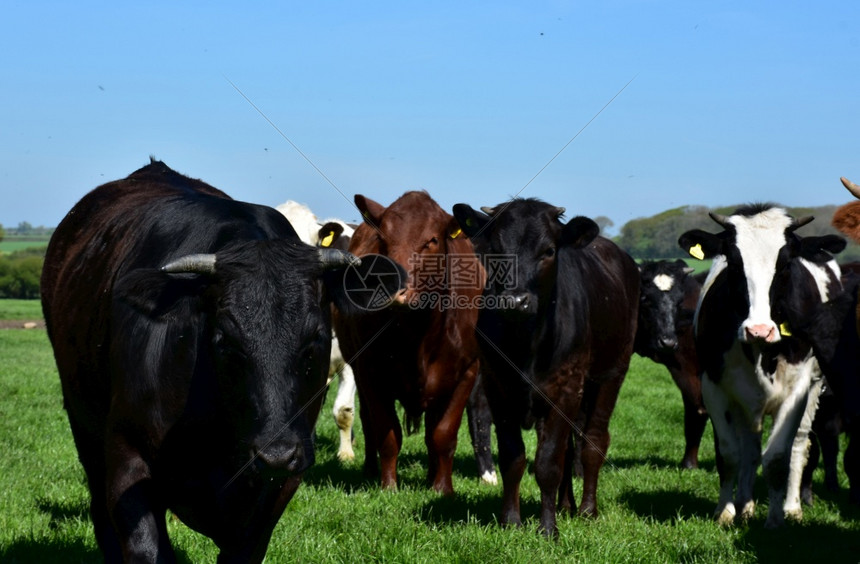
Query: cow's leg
[851, 461]
[695, 415]
[344, 410]
[442, 420]
[480, 420]
[728, 447]
[382, 436]
[599, 401]
[806, 495]
[785, 453]
[800, 452]
[553, 437]
[749, 441]
[250, 543]
[92, 457]
[828, 435]
[132, 504]
[512, 464]
[566, 500]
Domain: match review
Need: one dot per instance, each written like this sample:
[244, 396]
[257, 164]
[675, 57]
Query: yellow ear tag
[783, 329]
[326, 242]
[696, 251]
[456, 233]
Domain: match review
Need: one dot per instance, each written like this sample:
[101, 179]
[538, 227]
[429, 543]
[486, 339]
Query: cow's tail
[411, 422]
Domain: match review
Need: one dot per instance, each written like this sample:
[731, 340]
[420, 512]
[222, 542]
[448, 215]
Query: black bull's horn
[192, 264]
[330, 259]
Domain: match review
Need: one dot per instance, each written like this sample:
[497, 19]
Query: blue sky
[730, 102]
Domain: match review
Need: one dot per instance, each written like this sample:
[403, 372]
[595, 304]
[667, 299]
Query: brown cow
[422, 352]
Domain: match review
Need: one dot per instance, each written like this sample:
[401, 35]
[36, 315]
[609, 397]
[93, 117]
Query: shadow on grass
[350, 476]
[57, 550]
[482, 509]
[801, 543]
[652, 461]
[667, 506]
[49, 551]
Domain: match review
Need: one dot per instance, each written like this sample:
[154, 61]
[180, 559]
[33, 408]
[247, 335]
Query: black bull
[559, 353]
[192, 335]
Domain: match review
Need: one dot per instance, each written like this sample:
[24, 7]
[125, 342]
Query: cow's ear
[821, 249]
[453, 230]
[329, 233]
[472, 222]
[155, 293]
[579, 232]
[371, 212]
[700, 244]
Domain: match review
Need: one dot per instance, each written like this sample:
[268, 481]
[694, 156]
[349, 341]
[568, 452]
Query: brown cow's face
[414, 232]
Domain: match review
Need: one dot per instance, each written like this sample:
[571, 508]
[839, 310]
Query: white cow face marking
[664, 282]
[759, 239]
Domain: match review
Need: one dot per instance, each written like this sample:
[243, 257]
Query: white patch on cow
[307, 227]
[489, 477]
[664, 282]
[759, 239]
[821, 275]
[302, 219]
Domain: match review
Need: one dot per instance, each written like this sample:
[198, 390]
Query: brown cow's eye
[432, 243]
[549, 253]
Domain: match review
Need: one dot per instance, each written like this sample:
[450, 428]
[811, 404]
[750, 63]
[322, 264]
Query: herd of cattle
[194, 336]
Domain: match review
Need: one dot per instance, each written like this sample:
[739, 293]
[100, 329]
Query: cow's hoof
[747, 512]
[490, 478]
[346, 455]
[726, 516]
[794, 515]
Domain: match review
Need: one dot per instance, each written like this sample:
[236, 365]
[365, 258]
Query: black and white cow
[668, 298]
[753, 365]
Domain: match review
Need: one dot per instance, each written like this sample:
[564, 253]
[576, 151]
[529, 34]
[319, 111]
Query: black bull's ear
[821, 249]
[471, 221]
[579, 232]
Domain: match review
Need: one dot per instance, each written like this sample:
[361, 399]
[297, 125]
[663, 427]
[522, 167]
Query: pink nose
[761, 332]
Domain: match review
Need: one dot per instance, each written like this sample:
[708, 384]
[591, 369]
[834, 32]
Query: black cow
[556, 336]
[834, 332]
[191, 333]
[665, 335]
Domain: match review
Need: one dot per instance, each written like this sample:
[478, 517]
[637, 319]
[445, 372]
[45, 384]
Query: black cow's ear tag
[784, 330]
[697, 252]
[327, 240]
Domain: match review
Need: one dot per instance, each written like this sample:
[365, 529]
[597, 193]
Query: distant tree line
[26, 231]
[20, 272]
[656, 237]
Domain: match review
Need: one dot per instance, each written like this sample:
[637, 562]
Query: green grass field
[24, 310]
[650, 510]
[10, 246]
